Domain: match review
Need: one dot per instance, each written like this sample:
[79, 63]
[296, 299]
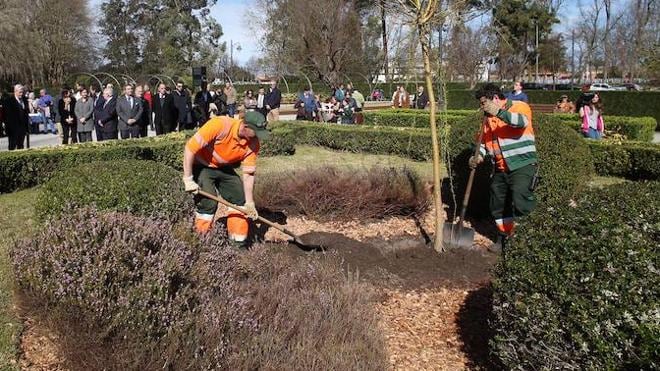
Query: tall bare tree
[43, 41]
[320, 37]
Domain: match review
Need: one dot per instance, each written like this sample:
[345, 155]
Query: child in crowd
[592, 118]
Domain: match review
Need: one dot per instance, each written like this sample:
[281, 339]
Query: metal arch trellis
[309, 82]
[127, 78]
[286, 83]
[89, 75]
[110, 76]
[168, 78]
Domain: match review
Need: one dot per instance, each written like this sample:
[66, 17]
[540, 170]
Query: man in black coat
[182, 104]
[202, 101]
[106, 116]
[273, 102]
[421, 100]
[17, 119]
[165, 112]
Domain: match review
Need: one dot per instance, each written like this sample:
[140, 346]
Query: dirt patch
[39, 348]
[403, 263]
[433, 307]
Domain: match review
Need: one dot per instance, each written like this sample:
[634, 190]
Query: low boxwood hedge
[564, 160]
[406, 142]
[632, 160]
[140, 187]
[618, 103]
[633, 128]
[579, 287]
[418, 119]
[24, 169]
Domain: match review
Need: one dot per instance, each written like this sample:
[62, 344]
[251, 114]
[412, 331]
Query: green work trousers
[510, 196]
[225, 180]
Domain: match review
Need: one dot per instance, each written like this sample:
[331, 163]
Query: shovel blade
[455, 236]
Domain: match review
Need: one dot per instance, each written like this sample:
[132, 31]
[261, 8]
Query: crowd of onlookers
[82, 113]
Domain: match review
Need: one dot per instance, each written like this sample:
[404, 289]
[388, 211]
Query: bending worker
[508, 140]
[210, 161]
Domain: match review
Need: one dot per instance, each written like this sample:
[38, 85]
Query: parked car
[632, 87]
[601, 86]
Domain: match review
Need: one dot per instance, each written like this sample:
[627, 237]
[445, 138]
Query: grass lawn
[308, 156]
[16, 221]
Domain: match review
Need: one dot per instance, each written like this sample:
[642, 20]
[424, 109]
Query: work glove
[190, 185]
[491, 108]
[473, 162]
[251, 210]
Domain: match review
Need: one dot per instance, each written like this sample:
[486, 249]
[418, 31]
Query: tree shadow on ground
[474, 318]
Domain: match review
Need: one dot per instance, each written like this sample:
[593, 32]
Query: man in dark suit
[106, 116]
[129, 112]
[145, 120]
[202, 101]
[17, 119]
[182, 104]
[165, 113]
[273, 101]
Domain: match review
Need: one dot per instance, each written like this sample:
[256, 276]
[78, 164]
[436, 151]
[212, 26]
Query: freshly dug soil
[403, 262]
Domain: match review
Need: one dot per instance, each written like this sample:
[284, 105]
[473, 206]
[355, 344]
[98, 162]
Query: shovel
[297, 240]
[457, 235]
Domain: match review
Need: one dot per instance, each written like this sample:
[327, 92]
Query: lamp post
[536, 24]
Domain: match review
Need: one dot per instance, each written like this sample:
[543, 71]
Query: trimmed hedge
[579, 287]
[617, 103]
[24, 169]
[140, 187]
[411, 143]
[633, 128]
[564, 161]
[418, 119]
[632, 160]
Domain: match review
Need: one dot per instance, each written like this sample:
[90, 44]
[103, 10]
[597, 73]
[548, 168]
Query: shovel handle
[242, 210]
[468, 188]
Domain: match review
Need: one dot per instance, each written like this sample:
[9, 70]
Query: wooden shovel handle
[242, 210]
[468, 188]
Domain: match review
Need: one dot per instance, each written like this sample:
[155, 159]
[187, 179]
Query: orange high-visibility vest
[509, 137]
[216, 144]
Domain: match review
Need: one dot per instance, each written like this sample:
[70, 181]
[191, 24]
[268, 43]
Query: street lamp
[536, 26]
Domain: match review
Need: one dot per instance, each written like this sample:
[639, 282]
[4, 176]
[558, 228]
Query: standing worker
[508, 140]
[211, 158]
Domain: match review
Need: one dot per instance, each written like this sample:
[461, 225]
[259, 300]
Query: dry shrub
[315, 318]
[126, 292]
[328, 193]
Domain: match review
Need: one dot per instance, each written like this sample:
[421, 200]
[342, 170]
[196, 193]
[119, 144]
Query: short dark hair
[489, 91]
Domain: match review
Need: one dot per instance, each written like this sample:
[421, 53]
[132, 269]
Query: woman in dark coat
[66, 109]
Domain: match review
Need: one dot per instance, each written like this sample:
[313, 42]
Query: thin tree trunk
[437, 199]
[384, 32]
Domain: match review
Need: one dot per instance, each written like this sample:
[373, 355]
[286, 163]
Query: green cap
[257, 122]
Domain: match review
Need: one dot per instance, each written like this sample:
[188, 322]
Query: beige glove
[491, 108]
[473, 162]
[190, 185]
[251, 210]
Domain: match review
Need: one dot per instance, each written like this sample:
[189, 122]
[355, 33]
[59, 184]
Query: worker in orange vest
[509, 142]
[211, 158]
